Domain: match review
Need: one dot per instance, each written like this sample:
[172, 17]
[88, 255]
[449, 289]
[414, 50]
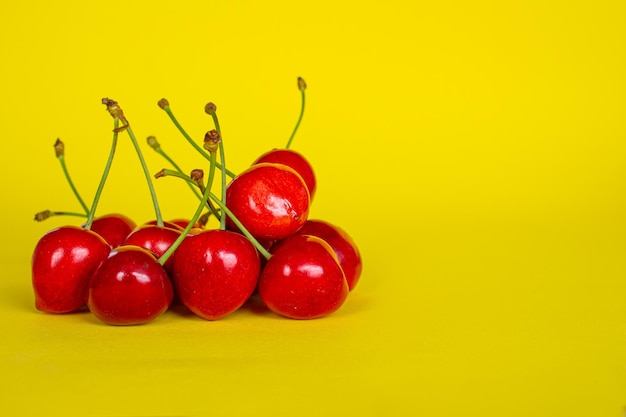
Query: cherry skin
[215, 272]
[303, 279]
[114, 228]
[154, 238]
[169, 224]
[63, 262]
[129, 288]
[342, 244]
[293, 160]
[271, 201]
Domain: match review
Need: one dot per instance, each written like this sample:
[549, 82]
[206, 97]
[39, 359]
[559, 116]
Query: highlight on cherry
[254, 239]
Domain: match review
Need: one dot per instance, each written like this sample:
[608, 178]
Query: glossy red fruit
[303, 279]
[293, 160]
[63, 262]
[154, 238]
[215, 272]
[113, 228]
[130, 287]
[342, 244]
[271, 201]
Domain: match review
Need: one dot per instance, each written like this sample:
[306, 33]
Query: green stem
[196, 216]
[301, 87]
[61, 157]
[211, 109]
[43, 215]
[105, 174]
[223, 218]
[197, 147]
[155, 202]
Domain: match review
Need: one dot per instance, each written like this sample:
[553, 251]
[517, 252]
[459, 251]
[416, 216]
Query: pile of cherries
[265, 246]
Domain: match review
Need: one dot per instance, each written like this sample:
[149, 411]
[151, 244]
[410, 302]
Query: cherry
[293, 160]
[303, 279]
[342, 244]
[63, 262]
[114, 228]
[154, 238]
[215, 272]
[271, 201]
[130, 287]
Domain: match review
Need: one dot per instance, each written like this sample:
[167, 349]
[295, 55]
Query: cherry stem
[211, 144]
[105, 174]
[154, 144]
[302, 88]
[45, 214]
[59, 148]
[164, 104]
[211, 109]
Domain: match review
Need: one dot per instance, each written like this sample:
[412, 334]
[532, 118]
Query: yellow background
[474, 151]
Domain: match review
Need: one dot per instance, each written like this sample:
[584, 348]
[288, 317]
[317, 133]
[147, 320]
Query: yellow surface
[474, 150]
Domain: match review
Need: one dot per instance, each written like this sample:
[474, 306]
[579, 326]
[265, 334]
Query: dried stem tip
[210, 108]
[160, 174]
[212, 140]
[113, 108]
[59, 148]
[301, 84]
[163, 103]
[197, 175]
[152, 141]
[42, 215]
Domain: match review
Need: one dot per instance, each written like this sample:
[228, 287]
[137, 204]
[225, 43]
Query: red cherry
[342, 244]
[130, 287]
[303, 279]
[271, 201]
[153, 238]
[113, 228]
[63, 262]
[293, 160]
[215, 272]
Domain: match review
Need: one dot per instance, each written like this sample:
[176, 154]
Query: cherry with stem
[214, 271]
[60, 278]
